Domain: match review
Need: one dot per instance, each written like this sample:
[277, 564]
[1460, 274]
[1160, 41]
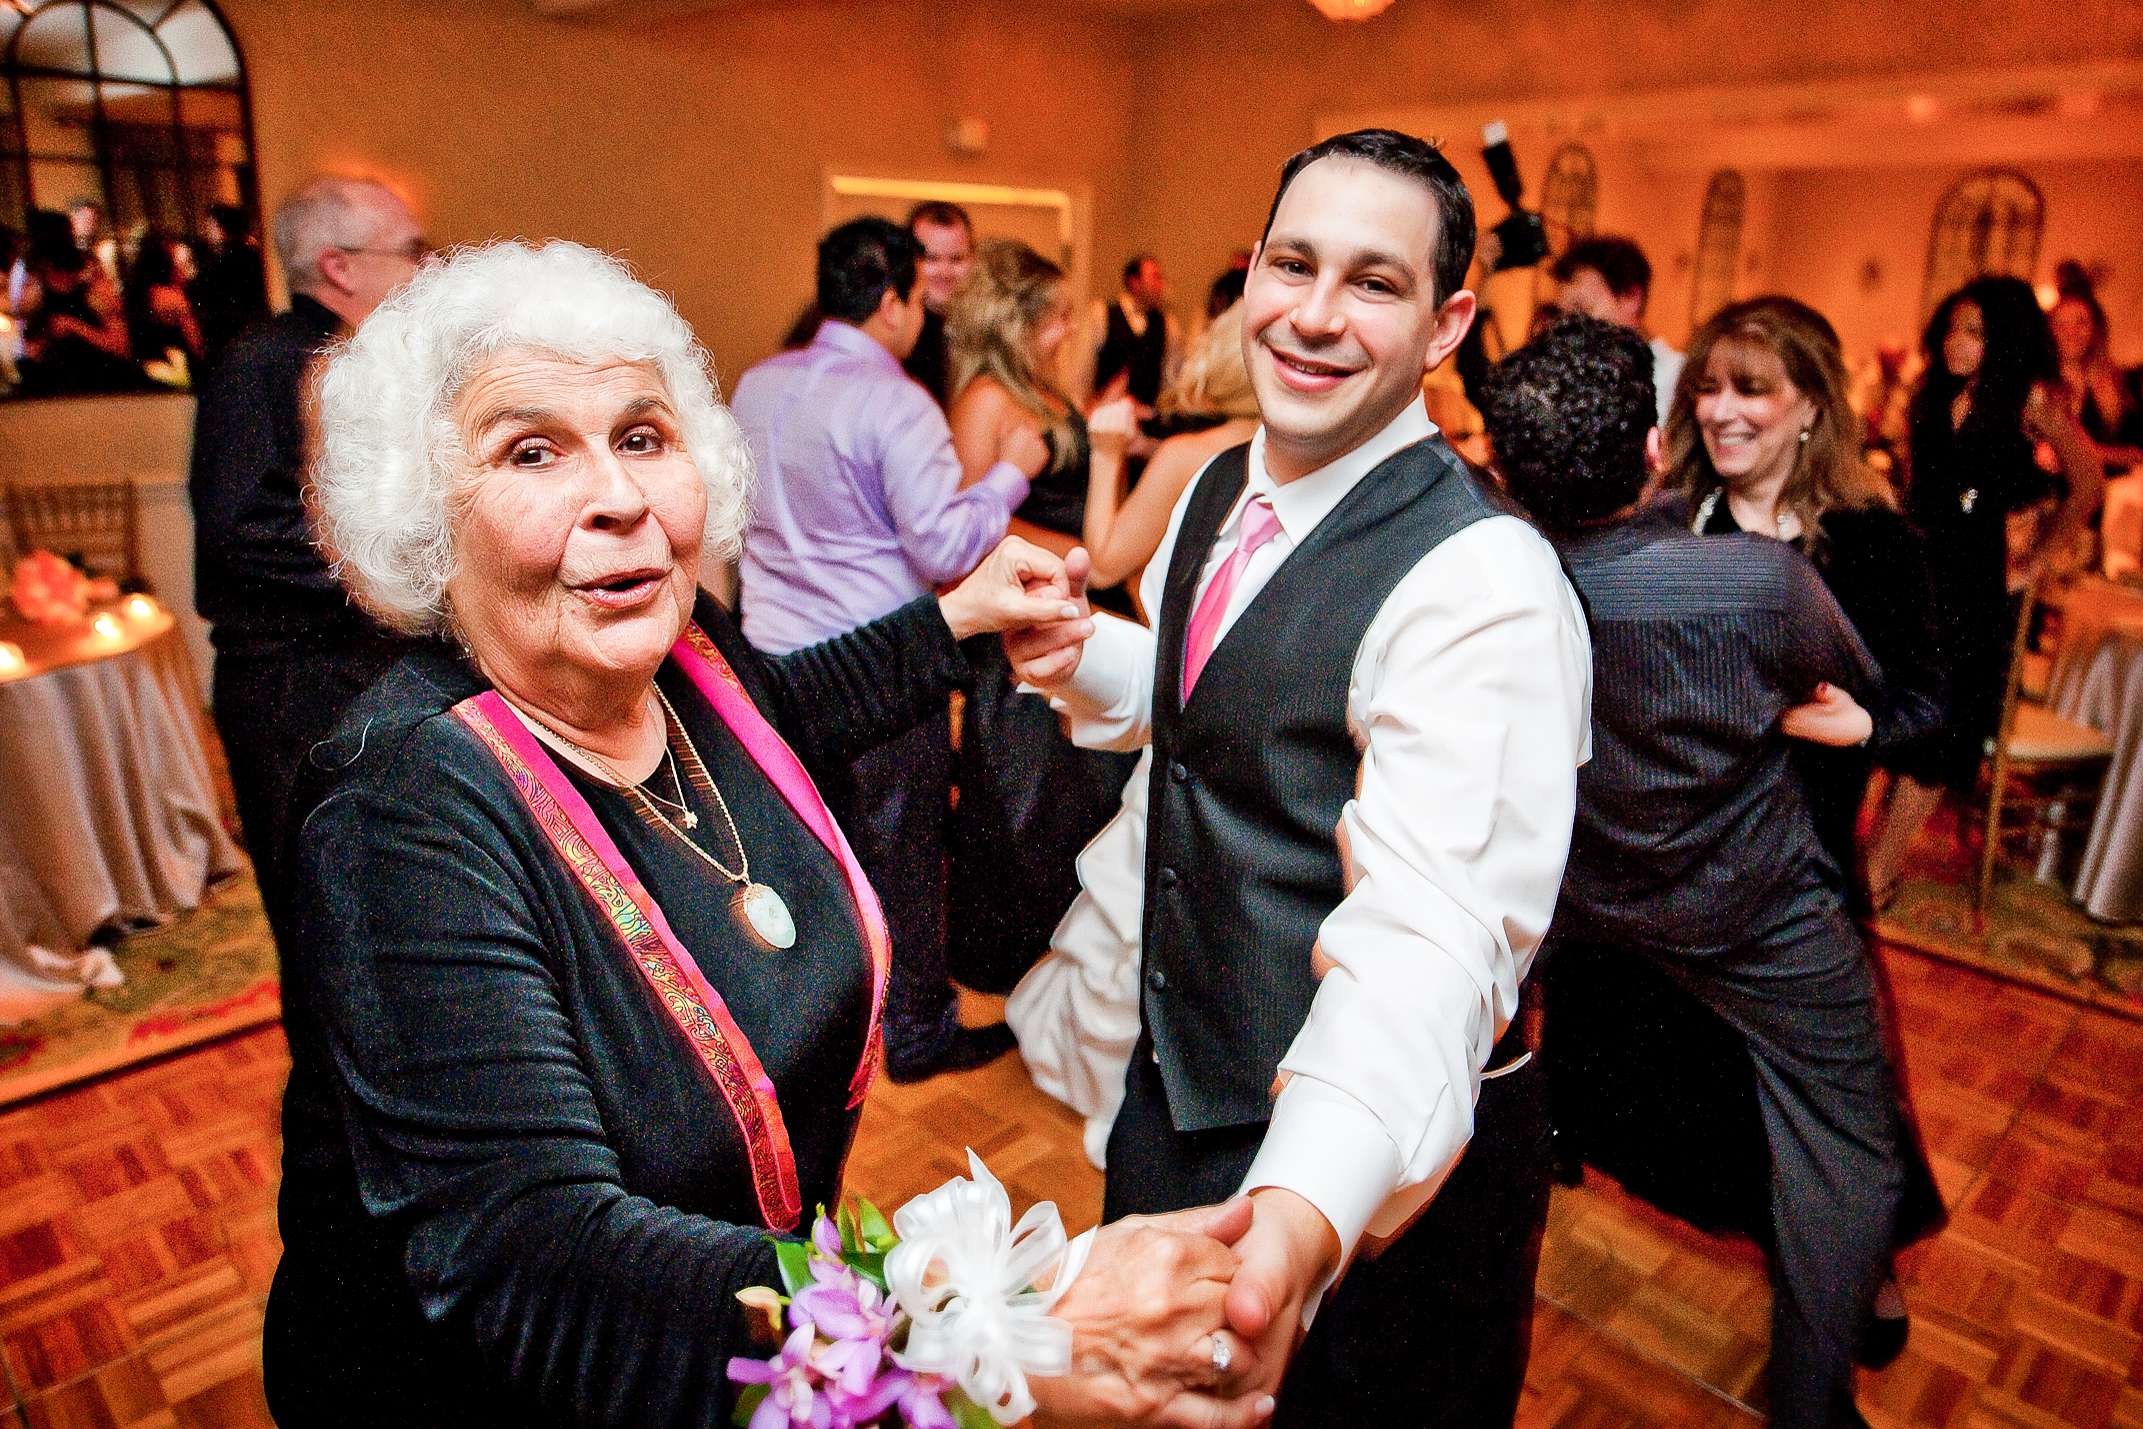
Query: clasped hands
[1188, 1320]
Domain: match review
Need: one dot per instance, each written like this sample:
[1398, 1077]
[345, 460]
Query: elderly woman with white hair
[585, 993]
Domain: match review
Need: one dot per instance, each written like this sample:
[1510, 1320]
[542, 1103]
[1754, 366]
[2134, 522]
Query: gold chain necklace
[761, 908]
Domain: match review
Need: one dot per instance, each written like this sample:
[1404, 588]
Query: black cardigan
[510, 1195]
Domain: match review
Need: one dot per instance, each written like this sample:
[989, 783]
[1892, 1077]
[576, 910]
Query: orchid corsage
[933, 1322]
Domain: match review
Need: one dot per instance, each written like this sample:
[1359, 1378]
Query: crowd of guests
[91, 313]
[519, 465]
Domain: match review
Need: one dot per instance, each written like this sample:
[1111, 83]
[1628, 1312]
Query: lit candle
[107, 626]
[10, 657]
[140, 607]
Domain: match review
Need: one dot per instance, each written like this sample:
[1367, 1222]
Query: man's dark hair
[1416, 159]
[1135, 262]
[1619, 262]
[1567, 415]
[860, 260]
[941, 213]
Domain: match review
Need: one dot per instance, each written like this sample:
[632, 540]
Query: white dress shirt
[1470, 701]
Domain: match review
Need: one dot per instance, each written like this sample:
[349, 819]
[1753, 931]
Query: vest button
[1157, 980]
[1166, 878]
[1177, 772]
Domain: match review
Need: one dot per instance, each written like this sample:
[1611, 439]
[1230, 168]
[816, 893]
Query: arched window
[137, 107]
[1569, 197]
[1988, 222]
[1718, 245]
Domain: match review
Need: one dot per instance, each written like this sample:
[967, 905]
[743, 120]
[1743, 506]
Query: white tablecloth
[2099, 682]
[108, 817]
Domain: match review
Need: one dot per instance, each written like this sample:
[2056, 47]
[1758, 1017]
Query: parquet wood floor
[137, 1237]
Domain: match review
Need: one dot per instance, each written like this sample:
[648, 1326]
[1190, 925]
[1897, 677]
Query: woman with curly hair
[1988, 403]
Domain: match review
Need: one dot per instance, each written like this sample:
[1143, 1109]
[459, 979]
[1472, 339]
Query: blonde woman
[1005, 326]
[1029, 800]
[1122, 532]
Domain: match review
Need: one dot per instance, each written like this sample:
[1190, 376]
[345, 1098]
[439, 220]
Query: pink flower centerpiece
[48, 590]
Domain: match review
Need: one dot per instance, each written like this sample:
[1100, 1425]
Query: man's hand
[1017, 585]
[1291, 1250]
[1045, 654]
[1143, 1315]
[1833, 717]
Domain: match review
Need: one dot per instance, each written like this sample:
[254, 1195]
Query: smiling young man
[1367, 699]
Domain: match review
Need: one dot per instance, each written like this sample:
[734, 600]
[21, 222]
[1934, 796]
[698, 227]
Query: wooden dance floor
[137, 1236]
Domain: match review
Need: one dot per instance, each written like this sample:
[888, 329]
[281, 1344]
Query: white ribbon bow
[965, 1275]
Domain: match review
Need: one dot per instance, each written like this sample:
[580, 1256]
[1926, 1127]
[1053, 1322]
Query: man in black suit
[291, 649]
[1366, 696]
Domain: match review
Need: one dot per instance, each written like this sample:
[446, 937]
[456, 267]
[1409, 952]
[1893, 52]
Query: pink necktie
[1260, 525]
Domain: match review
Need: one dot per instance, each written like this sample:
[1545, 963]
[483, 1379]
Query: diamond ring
[1222, 1355]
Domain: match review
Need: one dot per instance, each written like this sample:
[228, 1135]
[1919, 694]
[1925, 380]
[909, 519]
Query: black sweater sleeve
[472, 1119]
[1878, 570]
[835, 700]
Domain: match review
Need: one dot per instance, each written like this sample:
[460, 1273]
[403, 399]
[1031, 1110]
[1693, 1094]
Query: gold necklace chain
[674, 731]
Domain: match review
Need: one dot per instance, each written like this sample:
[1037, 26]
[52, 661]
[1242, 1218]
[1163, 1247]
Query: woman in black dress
[1029, 799]
[584, 996]
[1986, 408]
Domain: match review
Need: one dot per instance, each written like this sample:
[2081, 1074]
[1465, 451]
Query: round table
[109, 820]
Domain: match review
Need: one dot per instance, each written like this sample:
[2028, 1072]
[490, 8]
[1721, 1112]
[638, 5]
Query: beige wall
[696, 146]
[1232, 92]
[1854, 243]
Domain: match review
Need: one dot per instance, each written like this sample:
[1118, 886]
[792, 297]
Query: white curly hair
[390, 450]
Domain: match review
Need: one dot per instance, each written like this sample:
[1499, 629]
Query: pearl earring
[1804, 436]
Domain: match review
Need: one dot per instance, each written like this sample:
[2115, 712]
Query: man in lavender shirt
[860, 510]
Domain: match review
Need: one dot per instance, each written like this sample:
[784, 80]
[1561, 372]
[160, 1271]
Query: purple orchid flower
[795, 1395]
[826, 1238]
[843, 1305]
[918, 1397]
[922, 1405]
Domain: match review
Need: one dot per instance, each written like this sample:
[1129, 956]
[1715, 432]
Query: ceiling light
[1350, 9]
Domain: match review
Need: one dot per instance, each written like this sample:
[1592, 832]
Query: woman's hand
[1112, 427]
[1045, 654]
[1832, 717]
[1144, 1314]
[1017, 585]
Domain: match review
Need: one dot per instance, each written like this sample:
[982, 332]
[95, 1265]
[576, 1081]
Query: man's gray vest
[1249, 778]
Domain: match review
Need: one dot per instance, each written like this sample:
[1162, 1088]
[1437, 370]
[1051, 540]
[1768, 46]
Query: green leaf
[877, 1234]
[869, 1264]
[851, 1238]
[795, 1261]
[748, 1403]
[966, 1413]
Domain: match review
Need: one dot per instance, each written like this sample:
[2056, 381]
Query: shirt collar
[1308, 499]
[854, 341]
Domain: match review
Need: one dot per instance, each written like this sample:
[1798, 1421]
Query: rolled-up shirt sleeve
[1471, 700]
[944, 529]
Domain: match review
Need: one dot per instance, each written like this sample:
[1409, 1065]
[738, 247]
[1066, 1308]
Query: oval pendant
[767, 914]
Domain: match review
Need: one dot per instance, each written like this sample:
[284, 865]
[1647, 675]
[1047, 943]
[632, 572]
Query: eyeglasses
[416, 250]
